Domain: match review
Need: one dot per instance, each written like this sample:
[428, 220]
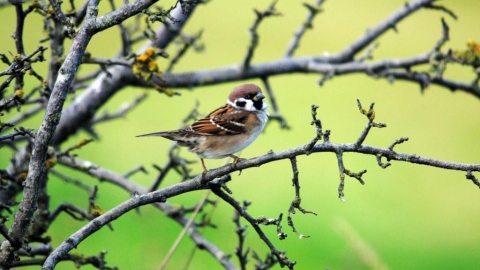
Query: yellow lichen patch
[22, 175]
[164, 90]
[97, 211]
[144, 65]
[470, 56]
[474, 47]
[19, 93]
[49, 163]
[83, 142]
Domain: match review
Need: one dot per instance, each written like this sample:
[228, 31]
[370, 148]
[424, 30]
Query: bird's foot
[235, 161]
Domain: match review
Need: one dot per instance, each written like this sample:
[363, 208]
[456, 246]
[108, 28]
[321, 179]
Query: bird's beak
[258, 97]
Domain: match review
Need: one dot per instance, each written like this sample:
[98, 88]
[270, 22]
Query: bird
[226, 130]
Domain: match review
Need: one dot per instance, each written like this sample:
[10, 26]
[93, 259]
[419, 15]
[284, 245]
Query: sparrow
[226, 130]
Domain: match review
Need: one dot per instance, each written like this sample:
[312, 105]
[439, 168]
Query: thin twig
[260, 15]
[199, 206]
[273, 102]
[307, 24]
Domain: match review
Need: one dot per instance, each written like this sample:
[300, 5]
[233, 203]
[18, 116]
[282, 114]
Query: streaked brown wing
[225, 120]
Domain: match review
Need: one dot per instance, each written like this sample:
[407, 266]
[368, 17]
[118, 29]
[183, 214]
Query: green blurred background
[407, 216]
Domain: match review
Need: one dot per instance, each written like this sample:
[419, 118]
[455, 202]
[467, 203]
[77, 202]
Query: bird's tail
[161, 134]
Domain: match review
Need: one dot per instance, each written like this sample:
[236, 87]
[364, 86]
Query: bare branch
[295, 204]
[399, 141]
[199, 206]
[121, 112]
[284, 261]
[139, 168]
[240, 231]
[318, 128]
[389, 23]
[68, 179]
[307, 24]
[253, 32]
[273, 102]
[82, 110]
[139, 191]
[186, 42]
[202, 181]
[370, 114]
[471, 177]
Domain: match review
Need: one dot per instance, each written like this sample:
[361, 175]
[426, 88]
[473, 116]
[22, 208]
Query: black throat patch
[258, 104]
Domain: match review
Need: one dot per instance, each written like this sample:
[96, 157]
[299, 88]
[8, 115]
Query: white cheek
[249, 106]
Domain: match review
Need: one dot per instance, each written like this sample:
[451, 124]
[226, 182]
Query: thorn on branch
[472, 178]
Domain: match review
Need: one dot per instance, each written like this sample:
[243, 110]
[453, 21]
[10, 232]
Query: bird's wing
[225, 120]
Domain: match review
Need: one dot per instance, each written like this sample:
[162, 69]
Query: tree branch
[36, 170]
[312, 12]
[132, 188]
[82, 109]
[203, 181]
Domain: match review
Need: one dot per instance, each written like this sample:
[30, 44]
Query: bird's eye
[247, 96]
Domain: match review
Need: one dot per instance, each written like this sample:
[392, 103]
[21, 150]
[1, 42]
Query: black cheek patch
[241, 103]
[258, 104]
